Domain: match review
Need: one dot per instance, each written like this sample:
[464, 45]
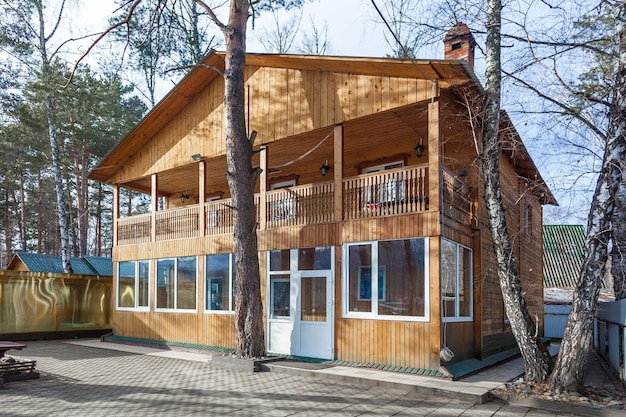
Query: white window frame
[231, 296]
[373, 314]
[175, 309]
[470, 289]
[117, 287]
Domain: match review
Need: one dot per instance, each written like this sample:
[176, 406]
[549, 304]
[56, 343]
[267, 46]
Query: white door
[281, 309]
[313, 317]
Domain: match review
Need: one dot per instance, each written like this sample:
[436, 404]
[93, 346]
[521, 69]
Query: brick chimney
[458, 44]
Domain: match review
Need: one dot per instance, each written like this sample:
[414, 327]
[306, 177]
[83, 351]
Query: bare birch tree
[30, 33]
[537, 360]
[604, 217]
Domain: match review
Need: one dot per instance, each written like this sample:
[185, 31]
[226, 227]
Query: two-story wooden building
[372, 233]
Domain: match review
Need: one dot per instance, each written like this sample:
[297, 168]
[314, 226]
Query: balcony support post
[116, 212]
[154, 206]
[263, 188]
[434, 205]
[201, 198]
[338, 172]
[434, 159]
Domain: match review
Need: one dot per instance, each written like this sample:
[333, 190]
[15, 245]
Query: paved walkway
[92, 378]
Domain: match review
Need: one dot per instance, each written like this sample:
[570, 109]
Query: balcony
[388, 193]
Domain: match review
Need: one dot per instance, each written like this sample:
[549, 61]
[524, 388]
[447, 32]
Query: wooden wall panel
[214, 329]
[390, 342]
[280, 103]
[528, 252]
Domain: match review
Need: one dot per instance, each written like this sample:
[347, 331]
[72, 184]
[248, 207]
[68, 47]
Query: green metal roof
[91, 265]
[563, 254]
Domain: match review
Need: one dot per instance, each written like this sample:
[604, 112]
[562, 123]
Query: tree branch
[211, 14]
[123, 22]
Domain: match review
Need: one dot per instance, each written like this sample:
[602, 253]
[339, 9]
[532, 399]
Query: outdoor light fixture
[463, 173]
[196, 157]
[419, 148]
[184, 197]
[324, 168]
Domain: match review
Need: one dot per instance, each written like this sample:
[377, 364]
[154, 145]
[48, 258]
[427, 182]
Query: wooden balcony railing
[456, 197]
[179, 223]
[305, 204]
[397, 191]
[134, 229]
[219, 217]
[388, 193]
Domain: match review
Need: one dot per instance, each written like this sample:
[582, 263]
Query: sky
[350, 23]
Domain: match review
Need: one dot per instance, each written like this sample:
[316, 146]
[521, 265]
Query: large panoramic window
[133, 281]
[456, 281]
[220, 283]
[386, 279]
[176, 283]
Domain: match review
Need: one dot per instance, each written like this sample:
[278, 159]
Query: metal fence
[609, 335]
[33, 302]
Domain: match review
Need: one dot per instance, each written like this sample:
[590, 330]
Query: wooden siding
[281, 103]
[398, 343]
[294, 109]
[527, 250]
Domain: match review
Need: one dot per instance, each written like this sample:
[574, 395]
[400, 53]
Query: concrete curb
[476, 395]
[559, 407]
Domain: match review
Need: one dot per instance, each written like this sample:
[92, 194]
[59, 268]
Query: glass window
[279, 296]
[176, 283]
[280, 260]
[143, 290]
[220, 278]
[186, 283]
[360, 277]
[314, 259]
[456, 281]
[126, 285]
[398, 288]
[401, 277]
[133, 281]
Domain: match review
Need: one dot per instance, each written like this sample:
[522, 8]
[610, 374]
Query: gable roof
[563, 254]
[445, 73]
[101, 264]
[36, 262]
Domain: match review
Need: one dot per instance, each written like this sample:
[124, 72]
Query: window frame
[374, 291]
[136, 289]
[458, 277]
[231, 285]
[174, 309]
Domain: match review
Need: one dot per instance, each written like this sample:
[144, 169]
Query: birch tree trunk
[54, 146]
[608, 197]
[242, 178]
[537, 360]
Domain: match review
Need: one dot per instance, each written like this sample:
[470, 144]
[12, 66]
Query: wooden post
[201, 197]
[338, 172]
[434, 252]
[434, 160]
[263, 188]
[154, 207]
[116, 211]
[434, 206]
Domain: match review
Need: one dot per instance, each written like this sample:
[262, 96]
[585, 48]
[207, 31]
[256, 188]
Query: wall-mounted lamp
[324, 168]
[196, 157]
[462, 173]
[184, 197]
[419, 149]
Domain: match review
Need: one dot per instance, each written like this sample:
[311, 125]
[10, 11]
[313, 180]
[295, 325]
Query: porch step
[467, 367]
